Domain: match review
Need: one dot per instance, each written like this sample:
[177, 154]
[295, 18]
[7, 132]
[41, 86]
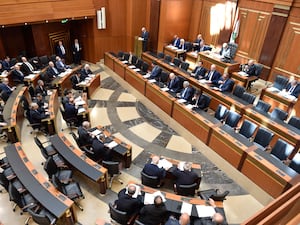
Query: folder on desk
[186, 208]
[165, 89]
[205, 211]
[149, 198]
[112, 144]
[96, 132]
[131, 66]
[163, 163]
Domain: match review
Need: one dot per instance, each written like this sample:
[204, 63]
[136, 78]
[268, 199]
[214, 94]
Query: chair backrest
[247, 129]
[282, 149]
[14, 195]
[41, 147]
[139, 63]
[232, 119]
[295, 122]
[295, 163]
[164, 76]
[188, 46]
[112, 167]
[168, 58]
[262, 106]
[160, 55]
[76, 139]
[134, 59]
[221, 112]
[40, 219]
[120, 54]
[4, 182]
[137, 222]
[50, 167]
[204, 102]
[220, 197]
[233, 49]
[263, 137]
[126, 56]
[176, 61]
[56, 182]
[278, 114]
[151, 181]
[145, 67]
[186, 190]
[44, 60]
[184, 66]
[117, 215]
[258, 69]
[238, 91]
[249, 98]
[280, 82]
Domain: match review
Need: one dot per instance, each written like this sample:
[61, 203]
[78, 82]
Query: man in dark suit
[293, 88]
[199, 71]
[86, 71]
[4, 87]
[40, 88]
[197, 42]
[75, 80]
[154, 214]
[60, 50]
[213, 75]
[185, 176]
[6, 64]
[174, 83]
[225, 84]
[76, 50]
[152, 168]
[60, 65]
[52, 71]
[187, 92]
[176, 41]
[127, 203]
[203, 47]
[145, 36]
[36, 116]
[17, 75]
[249, 68]
[156, 71]
[71, 111]
[26, 67]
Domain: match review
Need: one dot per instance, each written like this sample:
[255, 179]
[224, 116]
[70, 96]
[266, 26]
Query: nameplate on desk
[25, 159]
[19, 148]
[62, 197]
[97, 166]
[46, 184]
[239, 144]
[83, 157]
[291, 132]
[71, 147]
[34, 171]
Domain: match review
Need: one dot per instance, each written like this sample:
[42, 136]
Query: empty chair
[119, 216]
[44, 60]
[295, 163]
[249, 98]
[221, 112]
[282, 150]
[278, 114]
[3, 182]
[186, 190]
[184, 66]
[247, 129]
[213, 194]
[204, 102]
[176, 61]
[238, 91]
[112, 170]
[295, 122]
[280, 82]
[47, 151]
[160, 55]
[134, 59]
[167, 59]
[53, 58]
[263, 137]
[151, 181]
[232, 119]
[62, 173]
[262, 106]
[144, 68]
[42, 217]
[139, 63]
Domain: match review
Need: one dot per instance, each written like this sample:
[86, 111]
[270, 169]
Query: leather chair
[164, 77]
[184, 66]
[221, 112]
[47, 151]
[42, 217]
[137, 222]
[167, 59]
[112, 170]
[139, 63]
[62, 173]
[249, 98]
[295, 163]
[120, 55]
[205, 99]
[280, 82]
[186, 190]
[86, 148]
[213, 194]
[119, 216]
[247, 129]
[44, 61]
[238, 91]
[278, 114]
[134, 60]
[160, 55]
[71, 122]
[151, 181]
[176, 61]
[233, 49]
[263, 137]
[3, 182]
[126, 56]
[232, 119]
[262, 106]
[295, 122]
[144, 69]
[282, 150]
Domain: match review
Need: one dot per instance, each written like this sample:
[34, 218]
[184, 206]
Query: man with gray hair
[187, 92]
[186, 176]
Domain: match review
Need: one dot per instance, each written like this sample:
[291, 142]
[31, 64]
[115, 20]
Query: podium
[138, 46]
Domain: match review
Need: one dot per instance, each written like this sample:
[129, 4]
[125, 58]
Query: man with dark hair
[153, 214]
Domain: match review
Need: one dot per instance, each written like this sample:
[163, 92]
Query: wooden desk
[80, 161]
[209, 59]
[119, 68]
[90, 86]
[64, 82]
[136, 80]
[168, 50]
[122, 151]
[242, 80]
[192, 58]
[53, 105]
[32, 80]
[109, 60]
[39, 187]
[13, 113]
[276, 100]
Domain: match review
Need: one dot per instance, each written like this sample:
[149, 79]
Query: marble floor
[135, 120]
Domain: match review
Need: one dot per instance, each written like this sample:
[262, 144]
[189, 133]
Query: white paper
[181, 100]
[81, 110]
[180, 165]
[136, 70]
[273, 89]
[131, 66]
[81, 102]
[205, 211]
[186, 208]
[37, 71]
[149, 198]
[202, 81]
[147, 75]
[163, 163]
[30, 76]
[242, 73]
[111, 144]
[124, 61]
[96, 132]
[189, 106]
[165, 89]
[152, 81]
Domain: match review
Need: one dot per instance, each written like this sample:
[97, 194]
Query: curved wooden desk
[80, 161]
[90, 86]
[53, 105]
[36, 184]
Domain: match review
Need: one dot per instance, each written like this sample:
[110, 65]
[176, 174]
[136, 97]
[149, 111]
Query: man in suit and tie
[249, 68]
[145, 37]
[293, 88]
[52, 72]
[152, 168]
[225, 51]
[156, 71]
[86, 71]
[76, 50]
[199, 71]
[26, 67]
[60, 65]
[75, 80]
[187, 92]
[6, 64]
[176, 41]
[17, 75]
[5, 88]
[36, 116]
[213, 75]
[40, 88]
[225, 84]
[60, 50]
[174, 83]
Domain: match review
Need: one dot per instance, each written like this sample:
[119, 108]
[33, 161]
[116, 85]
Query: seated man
[176, 41]
[127, 203]
[197, 101]
[152, 168]
[156, 71]
[40, 88]
[293, 88]
[187, 92]
[249, 68]
[36, 116]
[86, 138]
[184, 219]
[43, 106]
[174, 83]
[61, 67]
[225, 51]
[52, 71]
[154, 214]
[213, 75]
[26, 67]
[199, 71]
[75, 80]
[225, 84]
[86, 71]
[17, 75]
[5, 89]
[185, 176]
[71, 112]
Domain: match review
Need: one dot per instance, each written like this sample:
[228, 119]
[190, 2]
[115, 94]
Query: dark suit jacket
[296, 90]
[41, 90]
[176, 42]
[185, 177]
[5, 88]
[152, 215]
[205, 48]
[85, 73]
[25, 69]
[182, 47]
[174, 85]
[251, 70]
[6, 65]
[155, 73]
[84, 137]
[227, 86]
[70, 111]
[145, 35]
[199, 72]
[36, 116]
[59, 53]
[17, 76]
[75, 81]
[153, 170]
[61, 67]
[188, 94]
[52, 74]
[128, 204]
[215, 77]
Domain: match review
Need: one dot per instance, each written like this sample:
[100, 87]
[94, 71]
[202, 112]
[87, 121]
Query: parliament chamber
[137, 117]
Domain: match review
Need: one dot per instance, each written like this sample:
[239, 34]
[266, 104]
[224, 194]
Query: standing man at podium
[145, 37]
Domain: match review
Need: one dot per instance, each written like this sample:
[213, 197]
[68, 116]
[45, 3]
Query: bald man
[184, 219]
[249, 68]
[152, 168]
[145, 36]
